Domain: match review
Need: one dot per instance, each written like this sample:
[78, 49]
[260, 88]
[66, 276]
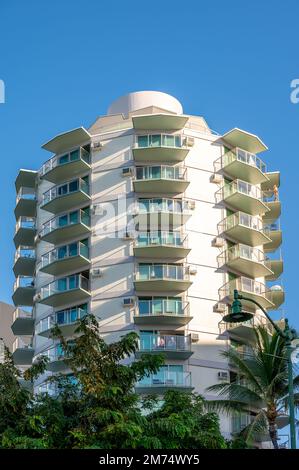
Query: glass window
[63, 159]
[73, 186]
[73, 282]
[62, 220]
[62, 189]
[74, 217]
[62, 252]
[155, 140]
[73, 249]
[142, 141]
[74, 155]
[62, 284]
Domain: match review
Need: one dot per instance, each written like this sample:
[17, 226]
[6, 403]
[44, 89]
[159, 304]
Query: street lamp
[237, 315]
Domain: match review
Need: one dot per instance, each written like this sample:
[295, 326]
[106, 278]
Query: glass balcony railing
[242, 187]
[166, 378]
[21, 313]
[25, 222]
[158, 205]
[58, 160]
[240, 218]
[20, 344]
[161, 238]
[63, 252]
[23, 282]
[161, 343]
[241, 251]
[148, 272]
[61, 318]
[161, 172]
[65, 189]
[158, 140]
[160, 306]
[65, 220]
[70, 283]
[252, 288]
[27, 194]
[244, 157]
[26, 252]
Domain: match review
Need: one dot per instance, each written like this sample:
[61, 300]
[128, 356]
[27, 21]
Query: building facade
[149, 220]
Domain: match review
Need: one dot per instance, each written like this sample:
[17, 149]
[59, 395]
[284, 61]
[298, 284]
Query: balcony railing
[20, 313]
[239, 186]
[156, 307]
[161, 238]
[61, 221]
[25, 222]
[61, 318]
[27, 194]
[58, 160]
[63, 252]
[240, 218]
[24, 282]
[241, 251]
[158, 205]
[76, 281]
[250, 287]
[158, 140]
[243, 157]
[65, 189]
[257, 320]
[20, 344]
[161, 172]
[25, 252]
[161, 343]
[161, 271]
[166, 379]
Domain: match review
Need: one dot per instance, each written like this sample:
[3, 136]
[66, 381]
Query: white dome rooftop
[143, 99]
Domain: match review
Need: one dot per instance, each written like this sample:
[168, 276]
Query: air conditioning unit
[191, 205]
[37, 238]
[189, 141]
[192, 270]
[127, 171]
[97, 209]
[128, 301]
[37, 297]
[97, 145]
[219, 308]
[223, 375]
[97, 272]
[218, 242]
[194, 337]
[128, 236]
[216, 178]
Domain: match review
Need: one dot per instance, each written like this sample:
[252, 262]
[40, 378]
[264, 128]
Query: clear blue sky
[63, 62]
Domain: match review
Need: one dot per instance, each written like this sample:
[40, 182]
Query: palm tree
[263, 385]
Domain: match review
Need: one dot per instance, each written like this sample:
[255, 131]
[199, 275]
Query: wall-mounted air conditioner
[97, 272]
[192, 270]
[191, 205]
[97, 209]
[127, 171]
[194, 337]
[219, 308]
[97, 145]
[128, 301]
[216, 178]
[223, 375]
[189, 141]
[37, 297]
[218, 242]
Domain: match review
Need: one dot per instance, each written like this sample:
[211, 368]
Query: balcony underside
[276, 240]
[68, 232]
[243, 171]
[67, 297]
[23, 326]
[161, 389]
[162, 220]
[24, 236]
[242, 332]
[57, 365]
[67, 202]
[161, 251]
[160, 186]
[26, 179]
[273, 179]
[262, 299]
[23, 356]
[161, 122]
[175, 355]
[244, 140]
[66, 330]
[276, 266]
[244, 203]
[62, 173]
[24, 266]
[160, 154]
[25, 207]
[175, 320]
[74, 263]
[162, 285]
[247, 236]
[273, 213]
[248, 267]
[23, 296]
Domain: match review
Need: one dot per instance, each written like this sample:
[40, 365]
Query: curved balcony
[25, 202]
[161, 245]
[244, 228]
[67, 320]
[23, 291]
[244, 331]
[273, 180]
[24, 261]
[22, 352]
[23, 322]
[55, 356]
[162, 311]
[72, 257]
[58, 168]
[275, 264]
[246, 260]
[164, 380]
[162, 278]
[159, 148]
[70, 289]
[65, 227]
[171, 346]
[277, 295]
[239, 164]
[66, 196]
[160, 179]
[250, 288]
[274, 233]
[26, 179]
[243, 196]
[274, 207]
[25, 231]
[163, 213]
[153, 122]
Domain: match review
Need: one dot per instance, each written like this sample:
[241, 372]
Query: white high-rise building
[149, 220]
